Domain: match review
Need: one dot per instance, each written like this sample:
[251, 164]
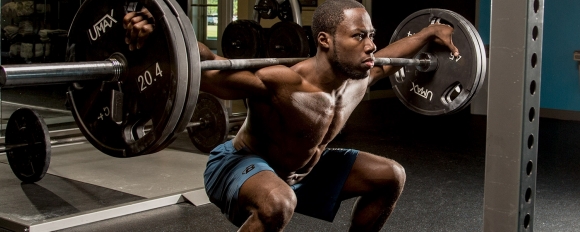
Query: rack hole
[534, 60]
[532, 114]
[527, 221]
[528, 195]
[530, 141]
[530, 168]
[535, 33]
[533, 88]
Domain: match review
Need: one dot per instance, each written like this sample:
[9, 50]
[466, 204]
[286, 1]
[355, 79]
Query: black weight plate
[267, 9]
[483, 67]
[194, 73]
[432, 93]
[154, 85]
[285, 11]
[287, 40]
[480, 68]
[214, 123]
[477, 83]
[29, 163]
[243, 39]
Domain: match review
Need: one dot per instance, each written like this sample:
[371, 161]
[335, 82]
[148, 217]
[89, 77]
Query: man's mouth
[370, 62]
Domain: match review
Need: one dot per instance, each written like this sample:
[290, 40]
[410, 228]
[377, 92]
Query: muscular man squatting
[279, 162]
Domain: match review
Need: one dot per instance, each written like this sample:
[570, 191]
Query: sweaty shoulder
[279, 75]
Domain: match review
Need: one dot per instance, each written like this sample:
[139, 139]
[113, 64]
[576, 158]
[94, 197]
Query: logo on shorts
[249, 169]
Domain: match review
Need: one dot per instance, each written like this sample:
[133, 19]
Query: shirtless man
[279, 162]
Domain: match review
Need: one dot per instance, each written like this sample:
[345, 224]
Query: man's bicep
[231, 85]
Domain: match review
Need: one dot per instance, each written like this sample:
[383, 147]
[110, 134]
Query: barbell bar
[204, 122]
[18, 75]
[53, 142]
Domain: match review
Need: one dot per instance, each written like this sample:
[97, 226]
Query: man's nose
[370, 46]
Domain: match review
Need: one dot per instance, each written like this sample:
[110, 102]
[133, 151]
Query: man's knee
[397, 172]
[373, 173]
[392, 176]
[277, 207]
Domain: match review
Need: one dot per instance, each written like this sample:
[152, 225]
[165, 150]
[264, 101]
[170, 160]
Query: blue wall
[560, 78]
[484, 20]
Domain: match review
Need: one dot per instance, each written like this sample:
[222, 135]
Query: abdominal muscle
[291, 134]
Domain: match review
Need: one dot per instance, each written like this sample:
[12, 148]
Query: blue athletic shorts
[318, 193]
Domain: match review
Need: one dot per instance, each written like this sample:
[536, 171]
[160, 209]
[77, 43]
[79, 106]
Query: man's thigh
[370, 172]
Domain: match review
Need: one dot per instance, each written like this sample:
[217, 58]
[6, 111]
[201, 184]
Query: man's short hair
[329, 14]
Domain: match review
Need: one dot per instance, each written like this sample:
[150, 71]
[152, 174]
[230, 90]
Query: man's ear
[324, 40]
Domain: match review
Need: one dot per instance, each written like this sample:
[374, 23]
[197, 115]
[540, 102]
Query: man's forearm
[407, 47]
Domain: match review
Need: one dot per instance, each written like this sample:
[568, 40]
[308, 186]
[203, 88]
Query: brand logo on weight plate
[101, 26]
[422, 91]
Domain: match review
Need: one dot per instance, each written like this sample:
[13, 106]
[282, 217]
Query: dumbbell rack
[294, 4]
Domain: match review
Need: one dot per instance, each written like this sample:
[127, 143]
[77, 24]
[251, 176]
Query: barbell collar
[430, 66]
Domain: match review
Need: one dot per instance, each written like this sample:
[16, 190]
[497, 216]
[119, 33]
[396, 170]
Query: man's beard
[344, 67]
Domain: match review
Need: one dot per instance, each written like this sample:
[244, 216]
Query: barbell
[130, 103]
[28, 143]
[111, 69]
